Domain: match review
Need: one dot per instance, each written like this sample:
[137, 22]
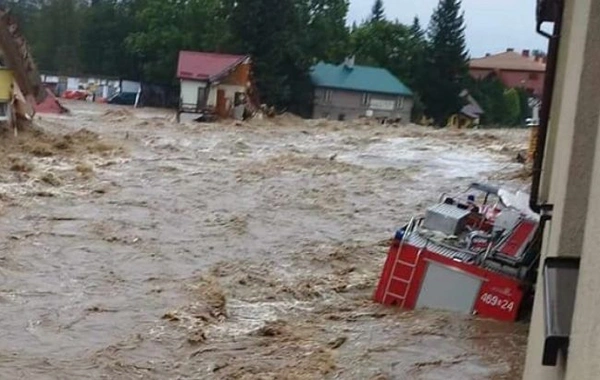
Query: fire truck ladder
[397, 261]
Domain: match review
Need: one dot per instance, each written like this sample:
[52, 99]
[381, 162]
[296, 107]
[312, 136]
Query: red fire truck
[475, 253]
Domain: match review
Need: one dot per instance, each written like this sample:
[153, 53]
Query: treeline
[140, 40]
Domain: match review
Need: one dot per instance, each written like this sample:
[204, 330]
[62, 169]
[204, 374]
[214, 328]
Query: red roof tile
[508, 61]
[205, 66]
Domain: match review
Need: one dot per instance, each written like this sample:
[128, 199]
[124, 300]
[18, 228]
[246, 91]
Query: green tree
[273, 32]
[416, 31]
[52, 29]
[140, 39]
[384, 44]
[396, 47]
[503, 106]
[107, 23]
[526, 111]
[489, 93]
[164, 27]
[446, 64]
[377, 12]
[329, 38]
[513, 107]
[416, 77]
[26, 11]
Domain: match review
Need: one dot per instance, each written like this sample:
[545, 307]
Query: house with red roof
[212, 82]
[513, 69]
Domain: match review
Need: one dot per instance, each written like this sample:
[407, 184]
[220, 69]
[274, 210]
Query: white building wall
[572, 184]
[130, 86]
[72, 83]
[189, 91]
[230, 91]
[212, 97]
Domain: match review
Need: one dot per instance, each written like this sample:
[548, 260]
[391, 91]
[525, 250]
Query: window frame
[366, 99]
[400, 103]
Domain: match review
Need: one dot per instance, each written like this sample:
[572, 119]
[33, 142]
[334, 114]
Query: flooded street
[138, 248]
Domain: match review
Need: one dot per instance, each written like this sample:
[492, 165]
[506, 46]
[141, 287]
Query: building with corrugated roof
[350, 91]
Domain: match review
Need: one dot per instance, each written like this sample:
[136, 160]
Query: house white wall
[72, 83]
[212, 96]
[230, 91]
[189, 91]
[130, 86]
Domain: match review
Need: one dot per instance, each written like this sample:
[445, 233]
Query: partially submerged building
[469, 116]
[6, 95]
[212, 83]
[21, 88]
[101, 87]
[350, 91]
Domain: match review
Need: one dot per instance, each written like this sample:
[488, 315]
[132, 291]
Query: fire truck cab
[472, 253]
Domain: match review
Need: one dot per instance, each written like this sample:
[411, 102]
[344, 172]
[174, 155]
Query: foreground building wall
[189, 92]
[571, 182]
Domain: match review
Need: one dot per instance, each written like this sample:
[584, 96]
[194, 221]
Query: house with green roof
[348, 91]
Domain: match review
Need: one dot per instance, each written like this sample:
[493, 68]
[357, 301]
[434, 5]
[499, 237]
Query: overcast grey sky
[492, 25]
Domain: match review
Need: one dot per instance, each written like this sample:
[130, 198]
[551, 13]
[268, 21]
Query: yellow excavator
[22, 92]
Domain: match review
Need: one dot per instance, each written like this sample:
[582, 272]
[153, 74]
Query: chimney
[526, 53]
[509, 50]
[487, 54]
[536, 58]
[349, 62]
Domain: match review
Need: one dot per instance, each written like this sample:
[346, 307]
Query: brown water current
[137, 248]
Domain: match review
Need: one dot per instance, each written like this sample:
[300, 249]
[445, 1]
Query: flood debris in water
[136, 247]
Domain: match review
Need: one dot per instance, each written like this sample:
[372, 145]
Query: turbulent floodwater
[137, 248]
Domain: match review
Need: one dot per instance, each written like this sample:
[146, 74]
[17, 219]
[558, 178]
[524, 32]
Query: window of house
[328, 95]
[366, 99]
[400, 103]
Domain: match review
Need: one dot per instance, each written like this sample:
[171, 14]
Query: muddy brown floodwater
[137, 248]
